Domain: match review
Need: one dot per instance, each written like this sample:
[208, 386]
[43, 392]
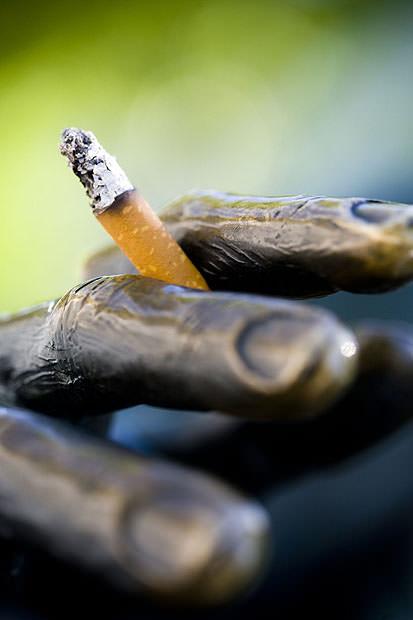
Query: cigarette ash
[99, 172]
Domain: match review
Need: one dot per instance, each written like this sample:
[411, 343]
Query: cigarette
[125, 214]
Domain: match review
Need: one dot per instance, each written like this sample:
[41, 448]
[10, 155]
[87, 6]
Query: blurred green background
[302, 96]
[267, 97]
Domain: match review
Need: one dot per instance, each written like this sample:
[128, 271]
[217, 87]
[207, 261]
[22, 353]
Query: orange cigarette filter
[125, 214]
[139, 232]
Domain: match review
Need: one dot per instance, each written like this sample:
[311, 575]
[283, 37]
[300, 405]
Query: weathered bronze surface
[296, 246]
[146, 525]
[258, 458]
[110, 261]
[118, 341]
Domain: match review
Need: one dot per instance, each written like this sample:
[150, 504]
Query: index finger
[296, 246]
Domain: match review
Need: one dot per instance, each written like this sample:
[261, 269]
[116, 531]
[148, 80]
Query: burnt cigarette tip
[98, 171]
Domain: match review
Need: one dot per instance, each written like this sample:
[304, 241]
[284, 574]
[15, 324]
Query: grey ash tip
[100, 174]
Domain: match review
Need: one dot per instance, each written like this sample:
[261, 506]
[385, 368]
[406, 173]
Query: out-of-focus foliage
[266, 97]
